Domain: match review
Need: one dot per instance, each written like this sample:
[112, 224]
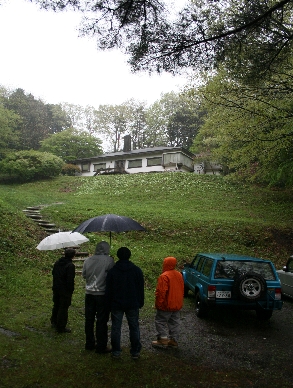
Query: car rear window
[229, 268]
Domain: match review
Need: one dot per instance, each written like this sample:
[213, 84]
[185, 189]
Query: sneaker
[160, 343]
[66, 330]
[104, 351]
[116, 356]
[172, 343]
[90, 347]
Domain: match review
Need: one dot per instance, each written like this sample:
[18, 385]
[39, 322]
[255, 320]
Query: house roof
[141, 151]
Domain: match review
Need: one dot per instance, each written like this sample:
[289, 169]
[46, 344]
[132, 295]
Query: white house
[153, 159]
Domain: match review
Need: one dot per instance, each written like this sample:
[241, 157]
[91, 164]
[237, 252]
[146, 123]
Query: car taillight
[278, 293]
[211, 292]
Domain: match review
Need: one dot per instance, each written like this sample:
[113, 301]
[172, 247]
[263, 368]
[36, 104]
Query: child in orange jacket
[169, 302]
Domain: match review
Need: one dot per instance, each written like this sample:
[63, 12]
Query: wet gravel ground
[233, 340]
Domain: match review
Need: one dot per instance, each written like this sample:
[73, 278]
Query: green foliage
[250, 37]
[9, 135]
[38, 120]
[70, 169]
[249, 129]
[31, 165]
[71, 144]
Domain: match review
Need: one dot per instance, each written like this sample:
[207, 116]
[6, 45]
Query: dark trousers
[132, 317]
[96, 311]
[61, 303]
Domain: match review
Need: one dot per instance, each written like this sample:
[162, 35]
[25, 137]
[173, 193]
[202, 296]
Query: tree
[248, 128]
[38, 120]
[174, 120]
[249, 35]
[111, 120]
[82, 118]
[71, 144]
[31, 165]
[135, 122]
[9, 135]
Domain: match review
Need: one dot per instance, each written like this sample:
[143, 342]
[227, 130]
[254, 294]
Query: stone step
[79, 261]
[86, 254]
[47, 225]
[51, 231]
[34, 216]
[78, 265]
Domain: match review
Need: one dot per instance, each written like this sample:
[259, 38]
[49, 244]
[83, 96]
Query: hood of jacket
[102, 248]
[169, 263]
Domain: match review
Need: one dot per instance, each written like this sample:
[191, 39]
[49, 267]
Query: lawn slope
[183, 214]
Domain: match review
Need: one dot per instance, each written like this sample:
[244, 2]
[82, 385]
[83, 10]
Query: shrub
[31, 165]
[70, 169]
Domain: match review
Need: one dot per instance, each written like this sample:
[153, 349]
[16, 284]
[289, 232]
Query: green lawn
[183, 214]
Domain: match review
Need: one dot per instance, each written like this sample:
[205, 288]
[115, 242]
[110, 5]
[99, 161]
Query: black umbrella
[109, 223]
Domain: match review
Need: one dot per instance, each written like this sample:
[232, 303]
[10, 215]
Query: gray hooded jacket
[95, 269]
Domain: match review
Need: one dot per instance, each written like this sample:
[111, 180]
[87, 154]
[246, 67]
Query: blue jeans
[132, 317]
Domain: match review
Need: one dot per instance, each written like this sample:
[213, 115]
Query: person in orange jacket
[168, 302]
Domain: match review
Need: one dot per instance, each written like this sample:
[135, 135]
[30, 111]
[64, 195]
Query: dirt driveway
[232, 340]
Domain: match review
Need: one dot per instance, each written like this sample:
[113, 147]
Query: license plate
[223, 294]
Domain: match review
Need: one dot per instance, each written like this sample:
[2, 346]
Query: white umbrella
[61, 240]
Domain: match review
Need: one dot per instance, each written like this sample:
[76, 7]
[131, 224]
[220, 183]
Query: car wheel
[250, 286]
[201, 309]
[264, 315]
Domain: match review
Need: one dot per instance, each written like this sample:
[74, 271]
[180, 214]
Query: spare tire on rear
[250, 286]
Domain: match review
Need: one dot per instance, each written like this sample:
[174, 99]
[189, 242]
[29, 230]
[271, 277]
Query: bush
[31, 165]
[70, 169]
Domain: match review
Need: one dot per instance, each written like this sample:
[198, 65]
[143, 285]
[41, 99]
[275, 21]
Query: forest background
[236, 109]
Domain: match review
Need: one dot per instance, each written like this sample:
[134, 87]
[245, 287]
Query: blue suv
[230, 280]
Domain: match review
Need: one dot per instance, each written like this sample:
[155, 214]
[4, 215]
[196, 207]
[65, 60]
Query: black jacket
[125, 286]
[63, 275]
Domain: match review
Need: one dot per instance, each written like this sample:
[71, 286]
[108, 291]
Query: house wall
[173, 161]
[110, 164]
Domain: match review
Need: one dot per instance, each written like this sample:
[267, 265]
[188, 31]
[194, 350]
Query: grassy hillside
[183, 214]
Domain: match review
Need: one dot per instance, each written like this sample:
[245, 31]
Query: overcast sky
[42, 54]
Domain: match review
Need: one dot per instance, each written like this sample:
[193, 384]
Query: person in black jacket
[63, 286]
[125, 295]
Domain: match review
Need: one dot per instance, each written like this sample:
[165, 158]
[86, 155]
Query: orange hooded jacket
[170, 287]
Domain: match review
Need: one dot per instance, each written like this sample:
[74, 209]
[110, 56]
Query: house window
[85, 167]
[99, 166]
[154, 161]
[135, 163]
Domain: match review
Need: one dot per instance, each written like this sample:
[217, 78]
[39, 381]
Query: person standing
[63, 286]
[168, 302]
[95, 269]
[125, 295]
